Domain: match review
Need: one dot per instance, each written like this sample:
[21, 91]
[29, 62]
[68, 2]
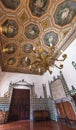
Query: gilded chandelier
[45, 60]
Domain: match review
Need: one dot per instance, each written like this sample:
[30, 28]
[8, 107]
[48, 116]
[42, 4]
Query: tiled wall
[4, 107]
[4, 104]
[44, 104]
[39, 104]
[52, 109]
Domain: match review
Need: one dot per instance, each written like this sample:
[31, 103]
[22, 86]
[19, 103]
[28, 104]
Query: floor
[27, 125]
[71, 124]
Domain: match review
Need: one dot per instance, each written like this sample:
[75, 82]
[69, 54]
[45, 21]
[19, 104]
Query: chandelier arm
[64, 56]
[58, 66]
[35, 62]
[60, 59]
[50, 53]
[50, 71]
[48, 56]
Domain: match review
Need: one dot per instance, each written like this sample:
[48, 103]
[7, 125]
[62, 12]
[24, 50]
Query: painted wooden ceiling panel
[33, 23]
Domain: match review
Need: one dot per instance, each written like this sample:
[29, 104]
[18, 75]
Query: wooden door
[66, 110]
[60, 110]
[20, 105]
[69, 110]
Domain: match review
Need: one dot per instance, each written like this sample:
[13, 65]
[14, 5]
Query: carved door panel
[60, 110]
[69, 110]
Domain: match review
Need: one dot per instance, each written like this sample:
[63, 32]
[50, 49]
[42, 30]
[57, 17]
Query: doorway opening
[20, 105]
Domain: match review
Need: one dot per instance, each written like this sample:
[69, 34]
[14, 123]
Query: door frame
[25, 84]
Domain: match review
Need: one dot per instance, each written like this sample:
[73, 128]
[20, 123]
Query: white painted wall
[68, 71]
[6, 78]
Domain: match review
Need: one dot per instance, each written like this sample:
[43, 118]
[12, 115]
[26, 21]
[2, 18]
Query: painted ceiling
[33, 23]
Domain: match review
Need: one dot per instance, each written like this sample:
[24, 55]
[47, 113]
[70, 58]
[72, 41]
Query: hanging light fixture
[45, 60]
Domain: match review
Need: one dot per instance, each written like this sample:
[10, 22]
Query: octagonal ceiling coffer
[10, 48]
[25, 61]
[11, 4]
[11, 61]
[38, 7]
[32, 31]
[10, 28]
[65, 12]
[51, 39]
[27, 48]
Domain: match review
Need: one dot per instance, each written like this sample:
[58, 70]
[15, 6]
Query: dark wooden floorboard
[27, 125]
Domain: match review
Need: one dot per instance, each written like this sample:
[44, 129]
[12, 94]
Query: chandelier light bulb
[50, 68]
[51, 45]
[39, 70]
[30, 67]
[26, 58]
[61, 51]
[34, 48]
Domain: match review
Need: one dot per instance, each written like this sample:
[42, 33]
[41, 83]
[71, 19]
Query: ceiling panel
[33, 23]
